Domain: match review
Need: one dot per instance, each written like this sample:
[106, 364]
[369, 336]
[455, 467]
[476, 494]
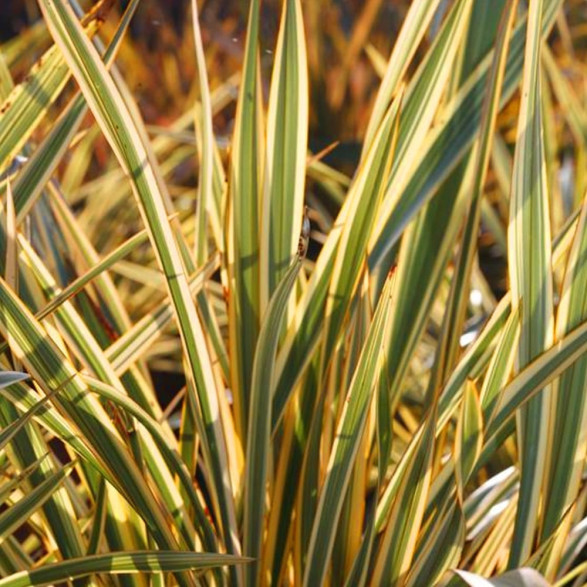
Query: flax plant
[361, 402]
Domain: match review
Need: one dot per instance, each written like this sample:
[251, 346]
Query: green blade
[244, 224]
[531, 282]
[259, 435]
[119, 563]
[286, 150]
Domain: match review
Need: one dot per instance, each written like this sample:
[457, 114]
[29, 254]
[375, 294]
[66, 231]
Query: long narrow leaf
[119, 563]
[285, 166]
[259, 435]
[531, 281]
[244, 225]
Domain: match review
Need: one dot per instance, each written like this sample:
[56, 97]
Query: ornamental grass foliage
[293, 293]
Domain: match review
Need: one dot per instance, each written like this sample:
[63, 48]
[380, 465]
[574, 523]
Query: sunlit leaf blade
[285, 152]
[531, 281]
[500, 366]
[346, 444]
[429, 83]
[576, 541]
[26, 399]
[6, 82]
[244, 224]
[11, 258]
[86, 346]
[575, 113]
[288, 473]
[384, 428]
[341, 447]
[119, 563]
[497, 540]
[7, 487]
[77, 285]
[390, 493]
[123, 133]
[74, 232]
[479, 354]
[259, 434]
[358, 575]
[348, 540]
[99, 522]
[469, 436]
[205, 142]
[307, 502]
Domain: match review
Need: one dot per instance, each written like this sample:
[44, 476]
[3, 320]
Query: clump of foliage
[360, 406]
